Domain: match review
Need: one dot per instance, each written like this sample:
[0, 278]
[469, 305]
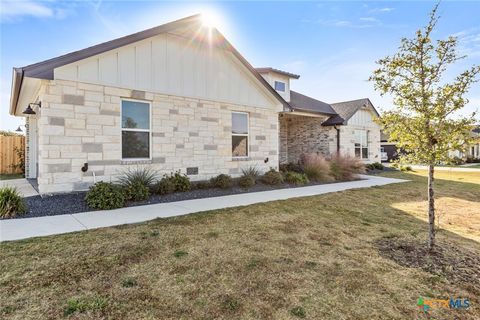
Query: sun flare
[211, 20]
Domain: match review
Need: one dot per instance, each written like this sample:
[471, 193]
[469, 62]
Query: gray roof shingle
[302, 102]
[345, 110]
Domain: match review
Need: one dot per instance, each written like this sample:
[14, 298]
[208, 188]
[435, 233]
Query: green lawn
[315, 257]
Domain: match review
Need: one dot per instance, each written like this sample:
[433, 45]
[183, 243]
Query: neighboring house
[471, 151]
[175, 97]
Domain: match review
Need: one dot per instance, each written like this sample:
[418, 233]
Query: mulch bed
[456, 266]
[74, 202]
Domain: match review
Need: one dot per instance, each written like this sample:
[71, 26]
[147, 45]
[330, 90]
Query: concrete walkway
[22, 185]
[15, 229]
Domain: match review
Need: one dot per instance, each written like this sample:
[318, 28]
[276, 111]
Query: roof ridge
[354, 100]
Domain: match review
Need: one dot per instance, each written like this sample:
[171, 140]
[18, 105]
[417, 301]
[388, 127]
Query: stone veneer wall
[80, 123]
[347, 141]
[303, 134]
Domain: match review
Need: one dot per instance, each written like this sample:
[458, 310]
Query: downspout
[338, 138]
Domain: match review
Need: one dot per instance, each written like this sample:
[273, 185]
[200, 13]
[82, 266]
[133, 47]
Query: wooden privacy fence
[8, 154]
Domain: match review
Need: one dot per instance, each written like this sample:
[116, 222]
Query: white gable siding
[169, 64]
[362, 118]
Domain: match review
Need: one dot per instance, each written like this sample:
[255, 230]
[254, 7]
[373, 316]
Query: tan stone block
[61, 106]
[78, 133]
[85, 109]
[54, 90]
[52, 130]
[95, 156]
[75, 123]
[119, 92]
[57, 113]
[64, 140]
[93, 96]
[90, 87]
[53, 154]
[53, 98]
[101, 119]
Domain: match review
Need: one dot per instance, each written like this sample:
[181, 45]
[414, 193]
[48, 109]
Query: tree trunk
[431, 209]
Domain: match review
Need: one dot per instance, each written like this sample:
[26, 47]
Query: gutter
[338, 138]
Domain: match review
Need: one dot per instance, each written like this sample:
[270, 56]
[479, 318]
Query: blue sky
[332, 45]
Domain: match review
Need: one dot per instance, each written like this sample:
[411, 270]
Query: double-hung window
[280, 86]
[239, 134]
[361, 144]
[135, 130]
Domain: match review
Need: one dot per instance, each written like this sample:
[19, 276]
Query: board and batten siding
[169, 64]
[362, 118]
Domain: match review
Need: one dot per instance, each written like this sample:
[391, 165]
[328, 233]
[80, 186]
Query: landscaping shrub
[166, 185]
[272, 177]
[471, 159]
[457, 161]
[145, 175]
[405, 168]
[316, 167]
[136, 191]
[246, 181]
[202, 185]
[378, 166]
[251, 171]
[222, 181]
[345, 167]
[181, 181]
[11, 203]
[138, 175]
[295, 167]
[375, 166]
[105, 196]
[296, 178]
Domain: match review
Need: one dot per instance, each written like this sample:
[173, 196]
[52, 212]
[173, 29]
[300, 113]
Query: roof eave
[312, 111]
[17, 80]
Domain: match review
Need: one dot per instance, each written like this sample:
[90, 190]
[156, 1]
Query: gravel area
[74, 202]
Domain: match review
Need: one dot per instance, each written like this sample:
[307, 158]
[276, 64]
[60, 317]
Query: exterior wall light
[29, 109]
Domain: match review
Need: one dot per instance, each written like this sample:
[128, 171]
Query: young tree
[425, 121]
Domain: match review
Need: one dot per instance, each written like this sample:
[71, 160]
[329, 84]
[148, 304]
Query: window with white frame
[280, 86]
[135, 129]
[361, 144]
[239, 134]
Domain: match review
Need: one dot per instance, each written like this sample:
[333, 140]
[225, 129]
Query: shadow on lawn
[455, 258]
